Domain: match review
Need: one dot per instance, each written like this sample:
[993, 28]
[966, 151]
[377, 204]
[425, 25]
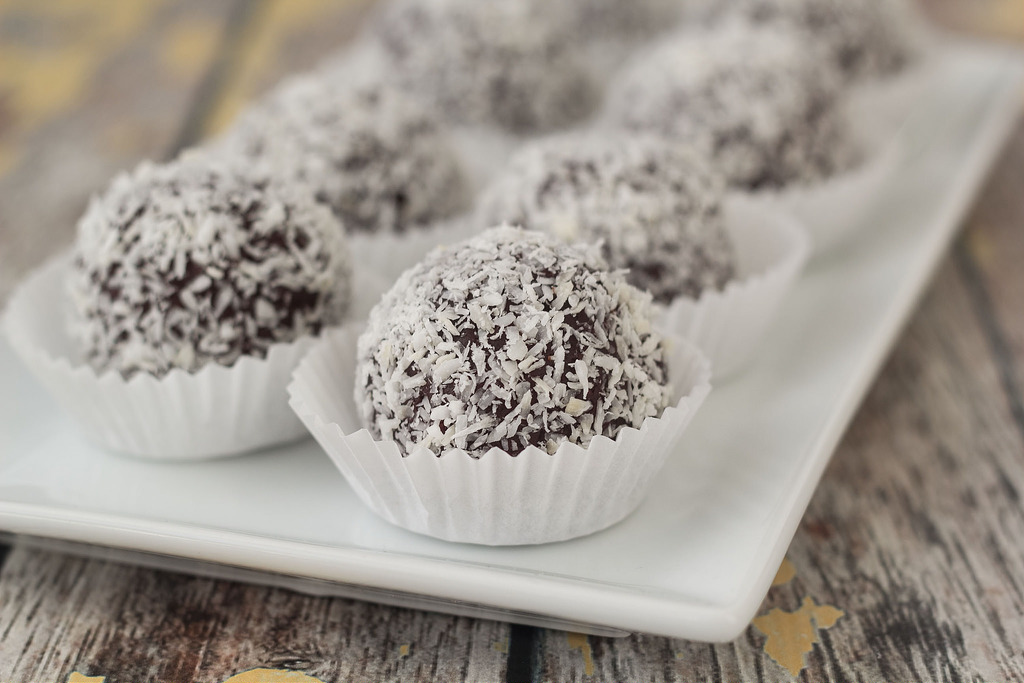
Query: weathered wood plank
[87, 89]
[991, 262]
[284, 37]
[60, 614]
[989, 18]
[913, 534]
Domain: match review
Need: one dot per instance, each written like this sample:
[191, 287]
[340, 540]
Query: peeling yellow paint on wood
[403, 650]
[785, 574]
[276, 21]
[980, 246]
[251, 676]
[43, 78]
[79, 678]
[791, 635]
[272, 676]
[187, 47]
[9, 157]
[992, 17]
[578, 641]
[1004, 17]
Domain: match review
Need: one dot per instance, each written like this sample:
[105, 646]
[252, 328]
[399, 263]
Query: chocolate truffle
[500, 63]
[862, 38]
[193, 262]
[508, 340]
[622, 19]
[654, 207]
[760, 103]
[377, 158]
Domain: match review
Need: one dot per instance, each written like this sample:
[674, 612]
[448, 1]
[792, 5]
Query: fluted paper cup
[833, 210]
[496, 499]
[215, 411]
[730, 325]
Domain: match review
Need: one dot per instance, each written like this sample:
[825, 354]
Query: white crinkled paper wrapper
[832, 210]
[214, 412]
[496, 499]
[879, 110]
[729, 325]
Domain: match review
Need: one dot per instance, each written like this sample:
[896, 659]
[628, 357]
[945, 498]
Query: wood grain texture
[908, 565]
[126, 101]
[283, 37]
[991, 257]
[989, 18]
[60, 614]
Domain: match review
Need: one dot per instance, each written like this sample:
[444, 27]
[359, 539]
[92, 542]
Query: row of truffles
[508, 340]
[523, 66]
[195, 262]
[222, 254]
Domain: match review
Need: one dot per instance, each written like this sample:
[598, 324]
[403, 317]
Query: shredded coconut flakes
[378, 159]
[655, 207]
[566, 351]
[192, 262]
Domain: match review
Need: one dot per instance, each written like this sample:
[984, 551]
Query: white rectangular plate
[694, 561]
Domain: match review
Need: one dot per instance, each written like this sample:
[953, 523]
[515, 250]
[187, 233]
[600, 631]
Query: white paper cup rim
[423, 491]
[729, 324]
[831, 209]
[145, 415]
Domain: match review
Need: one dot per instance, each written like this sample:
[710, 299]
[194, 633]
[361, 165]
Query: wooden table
[909, 563]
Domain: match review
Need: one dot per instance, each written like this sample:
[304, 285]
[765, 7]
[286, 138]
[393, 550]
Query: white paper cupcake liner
[833, 209]
[496, 499]
[728, 326]
[216, 411]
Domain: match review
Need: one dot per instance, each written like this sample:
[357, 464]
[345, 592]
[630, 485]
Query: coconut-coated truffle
[378, 159]
[623, 19]
[761, 103]
[194, 262]
[862, 38]
[501, 63]
[508, 340]
[654, 207]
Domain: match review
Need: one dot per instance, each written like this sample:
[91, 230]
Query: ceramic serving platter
[694, 561]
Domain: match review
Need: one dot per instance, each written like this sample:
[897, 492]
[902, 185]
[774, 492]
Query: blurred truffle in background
[380, 160]
[760, 103]
[504, 63]
[655, 208]
[862, 38]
